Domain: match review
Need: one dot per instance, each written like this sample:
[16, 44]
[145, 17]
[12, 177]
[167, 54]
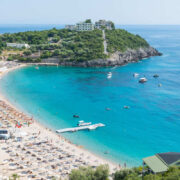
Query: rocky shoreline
[116, 59]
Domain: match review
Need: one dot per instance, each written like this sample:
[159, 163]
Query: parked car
[4, 134]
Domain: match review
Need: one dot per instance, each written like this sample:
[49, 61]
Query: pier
[90, 127]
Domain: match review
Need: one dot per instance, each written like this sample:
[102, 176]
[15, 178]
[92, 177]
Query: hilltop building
[83, 26]
[104, 24]
[70, 27]
[162, 161]
[89, 26]
[18, 45]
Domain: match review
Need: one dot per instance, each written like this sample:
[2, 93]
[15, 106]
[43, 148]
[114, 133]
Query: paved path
[104, 43]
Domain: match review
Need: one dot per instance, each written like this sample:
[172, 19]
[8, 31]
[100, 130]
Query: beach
[36, 151]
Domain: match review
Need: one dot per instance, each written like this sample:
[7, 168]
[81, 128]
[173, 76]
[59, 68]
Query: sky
[72, 11]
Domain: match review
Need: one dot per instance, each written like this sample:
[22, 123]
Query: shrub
[87, 173]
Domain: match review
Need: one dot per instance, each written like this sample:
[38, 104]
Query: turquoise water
[151, 125]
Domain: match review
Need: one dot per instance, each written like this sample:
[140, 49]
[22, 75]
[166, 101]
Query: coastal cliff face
[116, 59]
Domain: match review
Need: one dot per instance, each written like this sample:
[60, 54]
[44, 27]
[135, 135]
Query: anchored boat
[82, 123]
[142, 80]
[109, 76]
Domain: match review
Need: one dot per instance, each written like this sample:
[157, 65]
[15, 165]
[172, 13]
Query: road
[104, 43]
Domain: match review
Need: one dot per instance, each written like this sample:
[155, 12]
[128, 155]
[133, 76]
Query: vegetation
[69, 45]
[14, 177]
[83, 173]
[121, 40]
[102, 173]
[27, 52]
[88, 21]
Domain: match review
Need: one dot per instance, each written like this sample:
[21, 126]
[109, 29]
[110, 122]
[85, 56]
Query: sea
[150, 125]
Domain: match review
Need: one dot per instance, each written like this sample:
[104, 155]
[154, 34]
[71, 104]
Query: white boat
[135, 74]
[82, 123]
[109, 75]
[142, 80]
[36, 67]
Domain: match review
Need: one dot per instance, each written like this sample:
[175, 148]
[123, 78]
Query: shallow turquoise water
[152, 124]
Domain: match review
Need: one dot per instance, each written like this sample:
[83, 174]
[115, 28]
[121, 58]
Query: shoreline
[53, 137]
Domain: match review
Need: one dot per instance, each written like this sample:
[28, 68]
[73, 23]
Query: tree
[14, 177]
[10, 58]
[112, 26]
[87, 173]
[46, 54]
[152, 177]
[88, 21]
[56, 39]
[121, 174]
[56, 52]
[102, 172]
[27, 52]
[82, 174]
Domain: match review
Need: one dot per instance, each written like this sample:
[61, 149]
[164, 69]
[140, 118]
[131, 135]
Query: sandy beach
[34, 151]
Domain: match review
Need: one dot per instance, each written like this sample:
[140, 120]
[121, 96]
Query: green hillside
[70, 45]
[121, 40]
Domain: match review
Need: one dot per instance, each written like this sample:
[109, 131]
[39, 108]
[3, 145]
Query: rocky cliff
[116, 59]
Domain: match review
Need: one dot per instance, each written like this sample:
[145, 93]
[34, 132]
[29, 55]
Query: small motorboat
[36, 67]
[108, 109]
[142, 80]
[135, 74]
[106, 152]
[156, 76]
[126, 107]
[159, 85]
[109, 75]
[82, 123]
[76, 116]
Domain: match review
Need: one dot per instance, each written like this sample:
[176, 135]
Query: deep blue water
[27, 27]
[151, 125]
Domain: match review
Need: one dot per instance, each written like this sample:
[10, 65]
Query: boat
[126, 107]
[135, 74]
[106, 152]
[75, 116]
[156, 76]
[142, 80]
[82, 123]
[108, 109]
[36, 67]
[109, 75]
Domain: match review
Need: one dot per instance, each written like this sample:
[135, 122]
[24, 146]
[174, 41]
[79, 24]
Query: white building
[70, 27]
[103, 23]
[18, 45]
[83, 26]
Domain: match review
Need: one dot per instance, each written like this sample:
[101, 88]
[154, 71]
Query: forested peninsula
[75, 48]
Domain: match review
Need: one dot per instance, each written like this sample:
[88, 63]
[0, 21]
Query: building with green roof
[162, 161]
